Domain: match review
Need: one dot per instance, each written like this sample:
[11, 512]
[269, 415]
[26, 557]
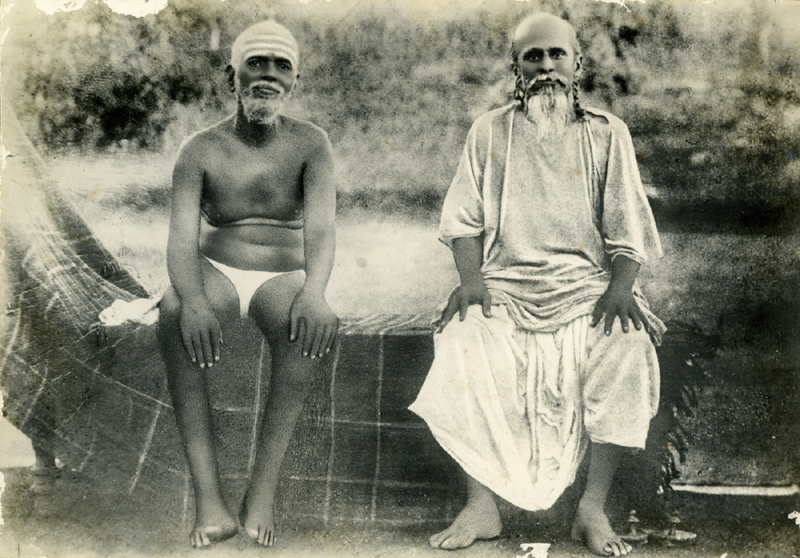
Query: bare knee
[169, 309]
[295, 369]
[169, 323]
[474, 328]
[637, 340]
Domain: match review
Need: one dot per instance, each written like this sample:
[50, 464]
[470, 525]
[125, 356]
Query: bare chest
[249, 183]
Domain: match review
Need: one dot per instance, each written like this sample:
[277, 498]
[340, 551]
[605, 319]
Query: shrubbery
[707, 90]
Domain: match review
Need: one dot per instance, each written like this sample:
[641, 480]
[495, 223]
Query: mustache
[540, 82]
[268, 85]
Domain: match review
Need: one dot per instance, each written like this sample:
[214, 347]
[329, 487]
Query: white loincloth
[516, 408]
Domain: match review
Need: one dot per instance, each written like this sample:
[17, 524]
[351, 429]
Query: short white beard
[548, 108]
[260, 110]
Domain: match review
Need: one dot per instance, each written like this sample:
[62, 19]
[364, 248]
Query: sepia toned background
[708, 90]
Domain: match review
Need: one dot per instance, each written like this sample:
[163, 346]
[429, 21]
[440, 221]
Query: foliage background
[708, 90]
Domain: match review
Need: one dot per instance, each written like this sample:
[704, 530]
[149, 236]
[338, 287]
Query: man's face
[263, 83]
[546, 53]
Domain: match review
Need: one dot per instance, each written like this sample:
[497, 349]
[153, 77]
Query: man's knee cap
[472, 326]
[169, 305]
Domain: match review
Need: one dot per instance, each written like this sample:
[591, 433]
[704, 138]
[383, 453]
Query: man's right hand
[200, 332]
[461, 298]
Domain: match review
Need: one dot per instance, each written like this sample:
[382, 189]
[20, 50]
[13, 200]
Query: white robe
[554, 213]
[514, 398]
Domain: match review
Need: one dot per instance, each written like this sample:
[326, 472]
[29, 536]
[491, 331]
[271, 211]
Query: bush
[707, 90]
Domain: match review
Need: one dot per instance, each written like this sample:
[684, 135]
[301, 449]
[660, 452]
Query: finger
[636, 318]
[319, 333]
[609, 322]
[487, 305]
[324, 342]
[332, 338]
[208, 354]
[187, 344]
[198, 350]
[308, 343]
[645, 321]
[596, 315]
[447, 315]
[294, 325]
[302, 333]
[623, 321]
[463, 305]
[216, 341]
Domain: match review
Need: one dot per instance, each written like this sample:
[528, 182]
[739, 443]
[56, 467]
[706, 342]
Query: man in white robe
[553, 350]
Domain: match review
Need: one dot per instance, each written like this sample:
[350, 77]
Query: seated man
[263, 184]
[548, 223]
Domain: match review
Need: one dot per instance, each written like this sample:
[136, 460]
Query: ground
[75, 519]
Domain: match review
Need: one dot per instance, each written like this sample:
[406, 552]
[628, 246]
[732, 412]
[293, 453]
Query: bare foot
[214, 523]
[591, 527]
[259, 524]
[478, 520]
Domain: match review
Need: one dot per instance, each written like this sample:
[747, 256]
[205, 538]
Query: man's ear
[578, 66]
[294, 84]
[230, 74]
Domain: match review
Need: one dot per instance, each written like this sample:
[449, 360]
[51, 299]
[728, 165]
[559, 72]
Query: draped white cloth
[516, 408]
[554, 213]
[516, 397]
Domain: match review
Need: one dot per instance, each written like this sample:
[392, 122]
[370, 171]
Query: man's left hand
[619, 302]
[313, 324]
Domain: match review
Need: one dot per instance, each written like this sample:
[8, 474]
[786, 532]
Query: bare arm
[468, 255]
[618, 300]
[200, 329]
[313, 323]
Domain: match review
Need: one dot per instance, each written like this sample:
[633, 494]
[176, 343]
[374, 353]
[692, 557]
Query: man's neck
[254, 133]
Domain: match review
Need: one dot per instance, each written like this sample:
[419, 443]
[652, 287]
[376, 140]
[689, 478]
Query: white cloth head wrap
[268, 38]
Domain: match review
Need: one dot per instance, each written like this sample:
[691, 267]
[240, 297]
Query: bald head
[537, 27]
[547, 61]
[267, 38]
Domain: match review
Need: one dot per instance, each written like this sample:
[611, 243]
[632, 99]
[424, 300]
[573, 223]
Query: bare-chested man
[251, 235]
[549, 224]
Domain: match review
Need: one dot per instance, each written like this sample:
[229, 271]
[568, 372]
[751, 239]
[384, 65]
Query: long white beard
[261, 110]
[548, 108]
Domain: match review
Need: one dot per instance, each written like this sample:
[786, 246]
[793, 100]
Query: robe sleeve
[628, 227]
[462, 212]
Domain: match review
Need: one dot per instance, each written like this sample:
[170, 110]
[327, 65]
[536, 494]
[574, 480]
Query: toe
[616, 548]
[436, 540]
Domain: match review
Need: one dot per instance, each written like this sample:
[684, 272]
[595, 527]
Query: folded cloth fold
[138, 311]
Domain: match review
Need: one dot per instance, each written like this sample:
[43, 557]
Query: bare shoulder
[305, 135]
[201, 144]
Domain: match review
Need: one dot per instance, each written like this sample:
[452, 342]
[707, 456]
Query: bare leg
[591, 523]
[45, 471]
[292, 376]
[188, 387]
[478, 520]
